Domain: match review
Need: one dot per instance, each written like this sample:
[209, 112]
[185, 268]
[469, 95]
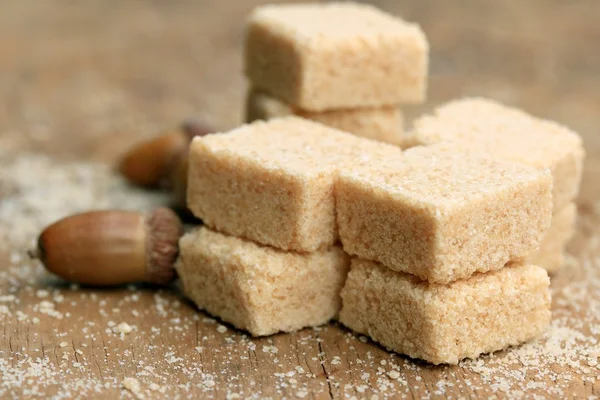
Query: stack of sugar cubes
[440, 243]
[346, 65]
[440, 240]
[267, 259]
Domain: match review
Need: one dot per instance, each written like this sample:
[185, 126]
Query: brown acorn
[151, 163]
[105, 248]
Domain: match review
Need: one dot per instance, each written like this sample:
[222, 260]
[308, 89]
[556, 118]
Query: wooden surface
[83, 80]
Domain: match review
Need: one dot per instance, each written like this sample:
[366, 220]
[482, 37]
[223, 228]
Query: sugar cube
[338, 55]
[258, 288]
[446, 323]
[442, 215]
[385, 124]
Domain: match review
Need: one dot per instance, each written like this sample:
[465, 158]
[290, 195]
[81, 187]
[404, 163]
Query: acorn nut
[151, 163]
[105, 248]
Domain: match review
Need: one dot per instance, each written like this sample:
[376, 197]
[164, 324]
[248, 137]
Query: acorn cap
[164, 230]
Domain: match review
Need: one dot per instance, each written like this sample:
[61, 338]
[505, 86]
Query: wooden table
[84, 80]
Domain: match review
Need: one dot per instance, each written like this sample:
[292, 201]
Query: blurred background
[86, 79]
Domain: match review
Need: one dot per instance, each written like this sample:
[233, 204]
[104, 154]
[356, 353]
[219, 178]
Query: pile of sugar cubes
[440, 251]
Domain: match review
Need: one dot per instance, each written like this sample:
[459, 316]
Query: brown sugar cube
[508, 134]
[551, 255]
[272, 182]
[443, 324]
[385, 124]
[442, 215]
[258, 288]
[340, 55]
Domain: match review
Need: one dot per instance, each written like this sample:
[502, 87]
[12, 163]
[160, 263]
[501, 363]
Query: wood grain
[84, 80]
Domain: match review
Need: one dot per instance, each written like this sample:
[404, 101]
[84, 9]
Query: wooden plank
[77, 86]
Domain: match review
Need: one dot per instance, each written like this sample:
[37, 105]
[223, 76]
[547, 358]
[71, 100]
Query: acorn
[114, 247]
[151, 163]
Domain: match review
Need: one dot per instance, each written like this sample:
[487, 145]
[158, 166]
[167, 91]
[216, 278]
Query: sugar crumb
[124, 328]
[133, 385]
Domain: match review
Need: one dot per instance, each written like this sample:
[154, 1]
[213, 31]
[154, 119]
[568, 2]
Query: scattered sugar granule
[21, 316]
[46, 305]
[133, 385]
[209, 383]
[42, 293]
[393, 374]
[63, 344]
[9, 298]
[221, 329]
[336, 360]
[270, 349]
[171, 359]
[124, 328]
[156, 387]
